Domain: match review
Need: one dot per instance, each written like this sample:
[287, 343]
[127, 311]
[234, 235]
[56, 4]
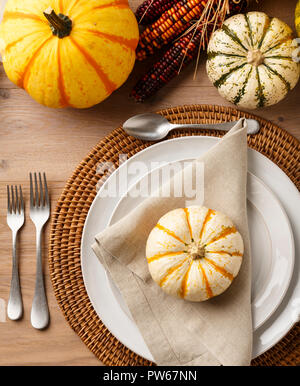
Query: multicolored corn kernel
[151, 10]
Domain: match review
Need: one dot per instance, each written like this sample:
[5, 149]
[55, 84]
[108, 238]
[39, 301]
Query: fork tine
[12, 199]
[21, 200]
[42, 200]
[17, 201]
[37, 194]
[46, 190]
[31, 191]
[8, 200]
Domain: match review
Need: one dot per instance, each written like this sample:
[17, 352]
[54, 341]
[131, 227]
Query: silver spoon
[152, 127]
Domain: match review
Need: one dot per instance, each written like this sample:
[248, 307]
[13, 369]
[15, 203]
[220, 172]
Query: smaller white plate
[272, 245]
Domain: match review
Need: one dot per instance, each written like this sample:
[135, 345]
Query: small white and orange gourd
[194, 253]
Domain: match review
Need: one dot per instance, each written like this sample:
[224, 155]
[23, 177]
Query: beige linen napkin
[177, 332]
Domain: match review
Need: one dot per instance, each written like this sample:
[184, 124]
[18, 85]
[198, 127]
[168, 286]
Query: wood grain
[35, 138]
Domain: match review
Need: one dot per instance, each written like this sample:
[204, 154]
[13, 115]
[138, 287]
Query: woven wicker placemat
[77, 197]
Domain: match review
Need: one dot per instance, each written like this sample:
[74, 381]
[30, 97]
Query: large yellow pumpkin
[68, 52]
[297, 18]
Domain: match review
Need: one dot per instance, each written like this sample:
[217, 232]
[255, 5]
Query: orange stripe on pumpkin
[70, 7]
[224, 233]
[159, 256]
[208, 289]
[61, 7]
[170, 271]
[120, 4]
[20, 15]
[128, 43]
[219, 269]
[169, 232]
[184, 282]
[10, 45]
[226, 253]
[64, 99]
[24, 78]
[187, 215]
[108, 84]
[208, 217]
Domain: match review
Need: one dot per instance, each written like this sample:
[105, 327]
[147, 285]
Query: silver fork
[39, 214]
[15, 220]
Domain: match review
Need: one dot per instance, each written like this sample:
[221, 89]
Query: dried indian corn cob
[151, 10]
[178, 56]
[171, 24]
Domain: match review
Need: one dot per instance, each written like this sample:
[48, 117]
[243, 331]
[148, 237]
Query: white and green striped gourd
[250, 60]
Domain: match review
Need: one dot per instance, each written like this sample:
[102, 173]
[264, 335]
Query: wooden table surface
[35, 138]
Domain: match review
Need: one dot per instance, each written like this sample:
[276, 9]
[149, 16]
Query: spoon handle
[252, 126]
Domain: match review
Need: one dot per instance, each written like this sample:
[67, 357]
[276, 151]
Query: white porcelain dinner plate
[275, 303]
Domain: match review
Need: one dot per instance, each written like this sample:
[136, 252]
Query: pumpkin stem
[60, 24]
[255, 57]
[196, 251]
